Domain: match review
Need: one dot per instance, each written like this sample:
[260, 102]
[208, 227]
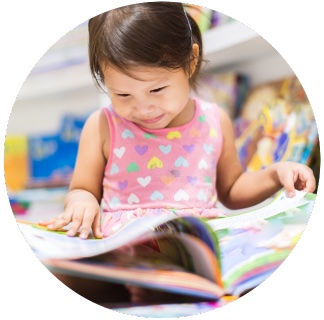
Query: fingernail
[83, 235]
[291, 194]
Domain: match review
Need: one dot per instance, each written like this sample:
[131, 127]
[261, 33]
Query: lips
[153, 120]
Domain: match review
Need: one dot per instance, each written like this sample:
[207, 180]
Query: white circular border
[28, 29]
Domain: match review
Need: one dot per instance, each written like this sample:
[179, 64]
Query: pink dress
[161, 171]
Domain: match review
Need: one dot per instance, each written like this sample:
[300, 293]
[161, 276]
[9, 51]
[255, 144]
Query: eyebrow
[112, 89]
[154, 87]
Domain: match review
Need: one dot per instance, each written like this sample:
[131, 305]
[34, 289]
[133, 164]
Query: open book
[204, 258]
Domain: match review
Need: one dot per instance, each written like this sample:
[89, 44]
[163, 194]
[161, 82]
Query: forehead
[139, 73]
[144, 75]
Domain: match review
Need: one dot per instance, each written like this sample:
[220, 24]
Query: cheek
[176, 95]
[124, 113]
[121, 108]
[175, 107]
[177, 102]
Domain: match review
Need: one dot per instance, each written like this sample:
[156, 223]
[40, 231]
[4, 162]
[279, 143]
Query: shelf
[67, 79]
[233, 43]
[225, 45]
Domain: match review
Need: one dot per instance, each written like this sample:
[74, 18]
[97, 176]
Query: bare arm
[239, 189]
[82, 203]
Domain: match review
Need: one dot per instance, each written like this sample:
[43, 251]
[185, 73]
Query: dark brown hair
[151, 34]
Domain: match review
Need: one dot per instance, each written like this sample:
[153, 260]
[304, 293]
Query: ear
[194, 59]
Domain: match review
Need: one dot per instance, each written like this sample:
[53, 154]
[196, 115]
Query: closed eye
[158, 89]
[122, 94]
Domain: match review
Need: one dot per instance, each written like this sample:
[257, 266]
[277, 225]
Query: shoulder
[96, 130]
[212, 109]
[224, 118]
[96, 120]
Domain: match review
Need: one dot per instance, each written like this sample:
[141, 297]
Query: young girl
[155, 150]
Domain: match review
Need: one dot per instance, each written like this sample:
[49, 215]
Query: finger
[96, 226]
[59, 221]
[87, 222]
[310, 184]
[45, 223]
[288, 184]
[77, 217]
[51, 221]
[306, 180]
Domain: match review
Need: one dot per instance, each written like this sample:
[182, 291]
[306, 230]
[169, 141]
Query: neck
[185, 116]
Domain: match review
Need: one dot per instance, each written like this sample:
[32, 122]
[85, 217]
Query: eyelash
[157, 90]
[125, 95]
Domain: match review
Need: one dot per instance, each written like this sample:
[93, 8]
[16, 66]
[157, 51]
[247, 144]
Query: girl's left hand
[292, 175]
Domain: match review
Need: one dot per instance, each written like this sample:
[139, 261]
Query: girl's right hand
[82, 210]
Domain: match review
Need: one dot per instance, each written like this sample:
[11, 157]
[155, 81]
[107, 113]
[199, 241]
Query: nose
[145, 108]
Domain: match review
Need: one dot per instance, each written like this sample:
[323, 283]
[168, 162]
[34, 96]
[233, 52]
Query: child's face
[159, 99]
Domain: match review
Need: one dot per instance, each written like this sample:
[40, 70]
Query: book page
[253, 249]
[170, 279]
[280, 204]
[204, 261]
[55, 244]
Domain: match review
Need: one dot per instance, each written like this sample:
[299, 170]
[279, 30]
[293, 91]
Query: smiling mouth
[153, 120]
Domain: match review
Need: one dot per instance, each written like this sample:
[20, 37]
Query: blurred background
[244, 75]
